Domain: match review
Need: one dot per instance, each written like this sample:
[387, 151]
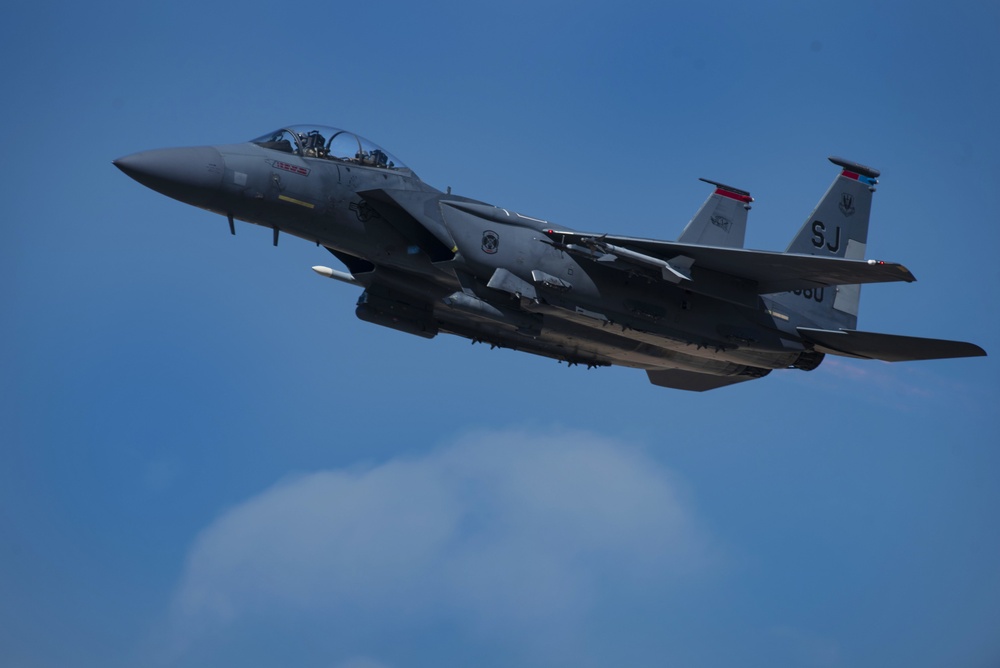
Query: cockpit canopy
[318, 141]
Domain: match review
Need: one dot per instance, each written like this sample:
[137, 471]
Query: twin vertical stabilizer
[837, 228]
[721, 220]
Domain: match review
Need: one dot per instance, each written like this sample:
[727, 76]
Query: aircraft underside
[575, 337]
[608, 344]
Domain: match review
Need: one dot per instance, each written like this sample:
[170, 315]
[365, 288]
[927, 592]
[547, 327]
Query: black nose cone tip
[127, 164]
[178, 172]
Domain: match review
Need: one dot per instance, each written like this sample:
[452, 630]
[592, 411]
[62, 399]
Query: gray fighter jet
[696, 314]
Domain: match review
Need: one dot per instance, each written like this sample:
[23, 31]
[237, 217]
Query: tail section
[837, 227]
[721, 220]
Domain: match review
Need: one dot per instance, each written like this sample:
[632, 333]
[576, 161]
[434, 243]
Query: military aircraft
[696, 314]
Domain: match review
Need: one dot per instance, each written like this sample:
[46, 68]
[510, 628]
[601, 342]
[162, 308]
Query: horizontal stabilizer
[679, 379]
[886, 347]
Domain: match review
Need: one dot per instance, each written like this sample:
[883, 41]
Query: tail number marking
[815, 294]
[819, 237]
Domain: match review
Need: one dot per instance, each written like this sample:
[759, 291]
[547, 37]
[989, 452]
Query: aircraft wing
[760, 272]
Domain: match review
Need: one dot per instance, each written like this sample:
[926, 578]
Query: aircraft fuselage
[431, 261]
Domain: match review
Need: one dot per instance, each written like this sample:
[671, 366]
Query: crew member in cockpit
[313, 144]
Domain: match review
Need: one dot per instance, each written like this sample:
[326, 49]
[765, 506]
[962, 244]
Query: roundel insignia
[491, 242]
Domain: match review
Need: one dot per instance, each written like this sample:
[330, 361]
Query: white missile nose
[342, 276]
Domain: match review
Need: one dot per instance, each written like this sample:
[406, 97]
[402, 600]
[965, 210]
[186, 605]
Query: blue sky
[206, 459]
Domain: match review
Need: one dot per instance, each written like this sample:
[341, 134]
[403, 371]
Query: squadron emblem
[721, 221]
[491, 242]
[363, 211]
[847, 204]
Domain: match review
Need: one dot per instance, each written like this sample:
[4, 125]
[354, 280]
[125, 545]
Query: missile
[675, 272]
[342, 276]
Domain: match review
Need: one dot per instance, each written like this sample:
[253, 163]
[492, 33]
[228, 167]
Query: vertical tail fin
[721, 220]
[837, 227]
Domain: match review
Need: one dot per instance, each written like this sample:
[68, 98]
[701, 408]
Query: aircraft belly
[673, 319]
[577, 338]
[655, 347]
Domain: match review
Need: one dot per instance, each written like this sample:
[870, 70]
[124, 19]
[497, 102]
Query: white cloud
[499, 533]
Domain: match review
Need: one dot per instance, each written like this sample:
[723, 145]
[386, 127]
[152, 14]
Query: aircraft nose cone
[187, 174]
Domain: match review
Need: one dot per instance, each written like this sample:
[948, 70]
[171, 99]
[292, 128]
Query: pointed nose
[188, 174]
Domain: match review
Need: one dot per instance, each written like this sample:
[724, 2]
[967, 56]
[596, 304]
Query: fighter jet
[698, 313]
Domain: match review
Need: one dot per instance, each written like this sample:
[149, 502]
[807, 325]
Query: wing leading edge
[764, 272]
